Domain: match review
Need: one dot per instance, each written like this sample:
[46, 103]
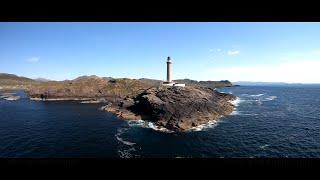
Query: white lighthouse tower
[169, 81]
[169, 73]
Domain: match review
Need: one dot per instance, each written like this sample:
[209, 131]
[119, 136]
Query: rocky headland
[175, 108]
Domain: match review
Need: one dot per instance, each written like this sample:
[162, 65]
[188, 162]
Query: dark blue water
[268, 122]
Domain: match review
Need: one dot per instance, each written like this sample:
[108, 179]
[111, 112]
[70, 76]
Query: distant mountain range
[13, 80]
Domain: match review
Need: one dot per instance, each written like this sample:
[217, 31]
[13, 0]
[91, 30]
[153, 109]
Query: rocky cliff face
[175, 108]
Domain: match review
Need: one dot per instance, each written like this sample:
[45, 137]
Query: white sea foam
[243, 113]
[210, 124]
[270, 98]
[136, 123]
[158, 128]
[126, 153]
[256, 98]
[235, 112]
[256, 95]
[125, 142]
[236, 102]
[264, 146]
[119, 133]
[225, 92]
[146, 124]
[249, 114]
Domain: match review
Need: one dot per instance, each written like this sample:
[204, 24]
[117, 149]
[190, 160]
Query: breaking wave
[256, 98]
[264, 146]
[270, 98]
[236, 102]
[256, 95]
[119, 133]
[127, 150]
[235, 112]
[243, 113]
[210, 124]
[126, 153]
[146, 124]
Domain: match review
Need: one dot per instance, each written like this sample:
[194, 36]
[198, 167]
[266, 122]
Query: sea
[268, 121]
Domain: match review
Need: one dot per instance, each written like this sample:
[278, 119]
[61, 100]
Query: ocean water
[267, 122]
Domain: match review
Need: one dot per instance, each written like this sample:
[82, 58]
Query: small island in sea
[176, 105]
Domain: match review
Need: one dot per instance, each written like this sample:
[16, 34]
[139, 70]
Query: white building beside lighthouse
[169, 81]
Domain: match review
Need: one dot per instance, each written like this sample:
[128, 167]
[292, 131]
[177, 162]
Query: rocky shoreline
[175, 108]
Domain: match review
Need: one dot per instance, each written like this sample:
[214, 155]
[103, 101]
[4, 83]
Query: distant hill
[190, 82]
[91, 77]
[42, 80]
[86, 77]
[14, 77]
[211, 84]
[88, 87]
[14, 81]
[154, 82]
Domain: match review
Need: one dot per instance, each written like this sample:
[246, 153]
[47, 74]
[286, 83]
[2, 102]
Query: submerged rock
[175, 108]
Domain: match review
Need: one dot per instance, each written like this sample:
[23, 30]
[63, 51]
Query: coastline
[60, 99]
[173, 108]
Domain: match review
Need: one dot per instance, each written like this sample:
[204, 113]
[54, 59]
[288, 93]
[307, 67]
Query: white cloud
[302, 71]
[33, 59]
[233, 53]
[219, 50]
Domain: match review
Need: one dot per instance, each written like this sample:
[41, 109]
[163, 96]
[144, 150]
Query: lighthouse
[169, 73]
[169, 81]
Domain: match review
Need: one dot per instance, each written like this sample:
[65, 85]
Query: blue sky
[273, 52]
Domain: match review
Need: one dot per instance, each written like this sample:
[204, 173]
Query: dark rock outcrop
[175, 108]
